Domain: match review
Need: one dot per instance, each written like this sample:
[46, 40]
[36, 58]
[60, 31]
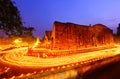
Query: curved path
[17, 57]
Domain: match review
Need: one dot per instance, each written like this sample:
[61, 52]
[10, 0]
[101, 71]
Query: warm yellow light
[48, 43]
[0, 47]
[17, 41]
[37, 42]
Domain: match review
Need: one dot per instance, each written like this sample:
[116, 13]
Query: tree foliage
[28, 31]
[118, 30]
[10, 19]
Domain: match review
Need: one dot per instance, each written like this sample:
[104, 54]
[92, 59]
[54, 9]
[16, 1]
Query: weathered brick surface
[72, 36]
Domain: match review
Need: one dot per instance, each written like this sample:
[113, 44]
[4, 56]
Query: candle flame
[37, 42]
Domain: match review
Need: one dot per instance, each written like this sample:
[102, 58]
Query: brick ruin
[72, 36]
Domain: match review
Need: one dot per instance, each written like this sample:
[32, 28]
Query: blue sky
[42, 13]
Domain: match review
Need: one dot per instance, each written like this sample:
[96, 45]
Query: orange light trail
[37, 42]
[18, 57]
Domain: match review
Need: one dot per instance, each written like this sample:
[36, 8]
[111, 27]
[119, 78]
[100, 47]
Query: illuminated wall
[72, 36]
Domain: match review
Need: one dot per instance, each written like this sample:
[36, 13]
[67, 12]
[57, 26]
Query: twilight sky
[42, 13]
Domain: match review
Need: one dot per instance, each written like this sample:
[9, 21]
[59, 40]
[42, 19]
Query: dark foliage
[118, 30]
[10, 19]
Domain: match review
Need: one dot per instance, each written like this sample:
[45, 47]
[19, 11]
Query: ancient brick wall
[72, 36]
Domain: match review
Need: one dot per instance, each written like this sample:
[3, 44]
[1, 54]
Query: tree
[118, 30]
[10, 19]
[28, 34]
[28, 31]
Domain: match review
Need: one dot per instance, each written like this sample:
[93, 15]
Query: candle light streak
[17, 57]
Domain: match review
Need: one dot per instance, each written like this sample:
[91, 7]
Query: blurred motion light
[17, 41]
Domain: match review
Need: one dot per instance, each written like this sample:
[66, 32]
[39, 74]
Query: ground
[17, 59]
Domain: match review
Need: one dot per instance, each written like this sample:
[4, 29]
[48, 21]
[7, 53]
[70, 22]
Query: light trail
[17, 57]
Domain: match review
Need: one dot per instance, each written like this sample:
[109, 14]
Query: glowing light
[52, 69]
[37, 42]
[63, 67]
[68, 65]
[0, 48]
[13, 77]
[44, 55]
[48, 43]
[58, 67]
[21, 75]
[28, 74]
[17, 41]
[35, 72]
[72, 64]
[41, 71]
[77, 64]
[18, 58]
[47, 70]
[7, 69]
